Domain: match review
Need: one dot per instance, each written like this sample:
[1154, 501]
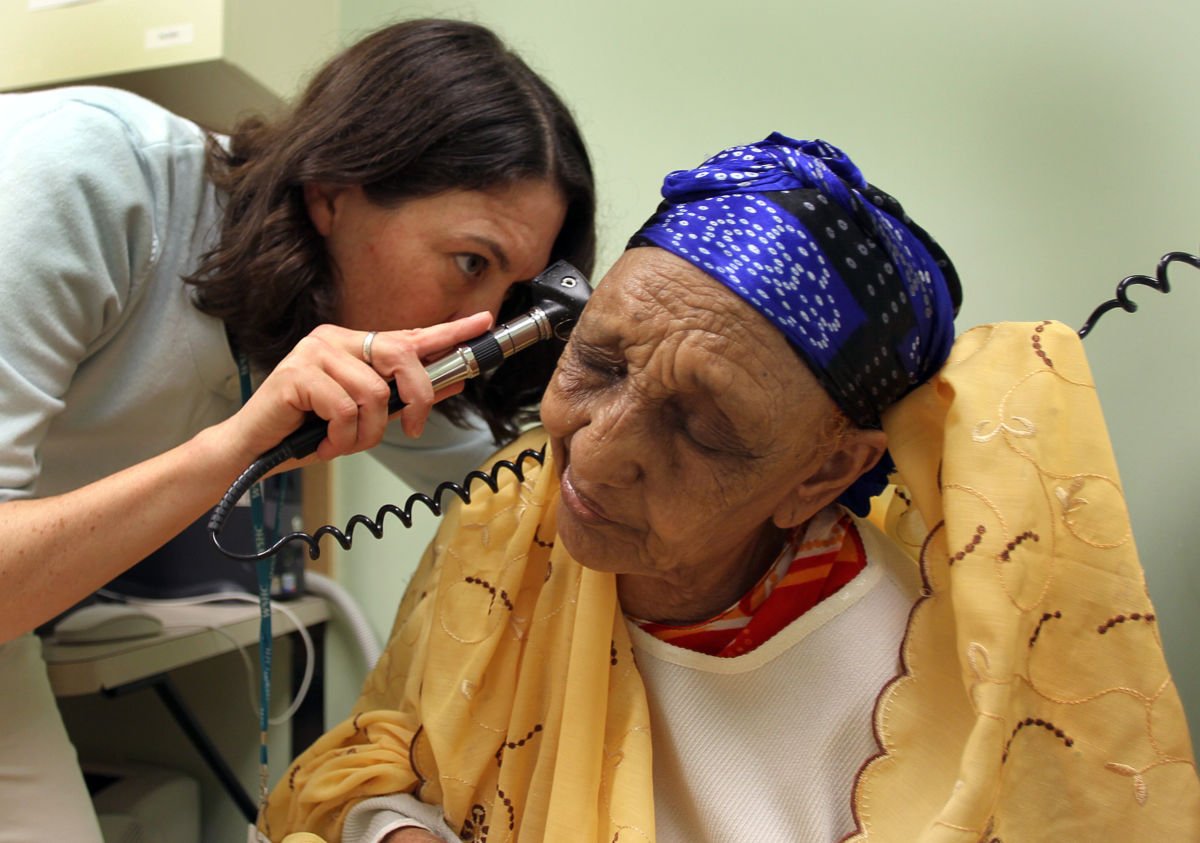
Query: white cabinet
[210, 60]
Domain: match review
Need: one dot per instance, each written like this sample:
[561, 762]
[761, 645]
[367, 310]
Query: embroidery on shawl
[1063, 699]
[1036, 342]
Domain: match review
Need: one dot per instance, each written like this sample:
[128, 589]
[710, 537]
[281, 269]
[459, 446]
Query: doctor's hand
[342, 376]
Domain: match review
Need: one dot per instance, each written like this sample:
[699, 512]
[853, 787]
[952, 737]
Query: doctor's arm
[54, 551]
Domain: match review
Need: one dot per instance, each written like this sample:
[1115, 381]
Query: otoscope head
[561, 291]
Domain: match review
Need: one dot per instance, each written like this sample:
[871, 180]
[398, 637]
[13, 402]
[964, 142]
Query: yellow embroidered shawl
[1035, 702]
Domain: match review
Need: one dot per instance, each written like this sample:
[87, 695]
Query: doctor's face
[435, 258]
[682, 423]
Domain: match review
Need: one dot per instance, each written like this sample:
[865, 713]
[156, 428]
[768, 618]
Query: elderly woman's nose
[611, 444]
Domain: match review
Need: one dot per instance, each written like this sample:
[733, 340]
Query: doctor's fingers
[355, 414]
[386, 351]
[402, 356]
[388, 346]
[321, 376]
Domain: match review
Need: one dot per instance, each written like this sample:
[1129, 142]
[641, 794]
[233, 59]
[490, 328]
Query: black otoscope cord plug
[560, 293]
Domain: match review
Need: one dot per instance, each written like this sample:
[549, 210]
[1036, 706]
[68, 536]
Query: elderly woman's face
[684, 426]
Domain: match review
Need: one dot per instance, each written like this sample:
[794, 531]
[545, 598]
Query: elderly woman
[676, 629]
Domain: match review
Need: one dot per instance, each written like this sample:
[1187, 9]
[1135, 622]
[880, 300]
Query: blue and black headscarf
[862, 293]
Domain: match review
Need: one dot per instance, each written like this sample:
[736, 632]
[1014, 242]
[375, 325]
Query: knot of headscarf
[862, 293]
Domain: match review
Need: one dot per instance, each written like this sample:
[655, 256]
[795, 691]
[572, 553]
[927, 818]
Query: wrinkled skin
[689, 436]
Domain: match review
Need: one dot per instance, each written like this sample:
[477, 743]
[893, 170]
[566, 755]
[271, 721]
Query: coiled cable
[345, 538]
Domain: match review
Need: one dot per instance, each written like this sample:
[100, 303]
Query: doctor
[391, 214]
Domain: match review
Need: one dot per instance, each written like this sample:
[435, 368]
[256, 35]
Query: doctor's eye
[471, 264]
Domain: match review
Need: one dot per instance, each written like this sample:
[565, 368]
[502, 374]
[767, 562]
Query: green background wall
[1051, 147]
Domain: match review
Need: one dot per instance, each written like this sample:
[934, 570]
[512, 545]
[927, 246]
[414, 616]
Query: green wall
[1050, 146]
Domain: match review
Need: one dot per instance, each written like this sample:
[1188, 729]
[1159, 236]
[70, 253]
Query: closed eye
[710, 432]
[598, 363]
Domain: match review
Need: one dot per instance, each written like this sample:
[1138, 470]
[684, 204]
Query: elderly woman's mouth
[580, 505]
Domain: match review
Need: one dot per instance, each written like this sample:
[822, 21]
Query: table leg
[165, 689]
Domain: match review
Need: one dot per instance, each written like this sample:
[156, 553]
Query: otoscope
[559, 294]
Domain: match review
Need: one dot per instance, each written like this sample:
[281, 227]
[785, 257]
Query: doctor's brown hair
[412, 110]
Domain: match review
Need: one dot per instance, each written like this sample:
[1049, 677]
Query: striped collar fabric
[818, 559]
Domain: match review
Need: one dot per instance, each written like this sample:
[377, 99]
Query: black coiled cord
[375, 526]
[1159, 282]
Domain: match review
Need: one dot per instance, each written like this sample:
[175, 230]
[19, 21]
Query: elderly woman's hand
[412, 835]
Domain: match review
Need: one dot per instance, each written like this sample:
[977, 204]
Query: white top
[766, 746]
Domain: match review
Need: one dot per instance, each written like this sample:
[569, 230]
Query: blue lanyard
[265, 571]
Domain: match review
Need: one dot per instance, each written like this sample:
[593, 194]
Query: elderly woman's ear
[854, 453]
